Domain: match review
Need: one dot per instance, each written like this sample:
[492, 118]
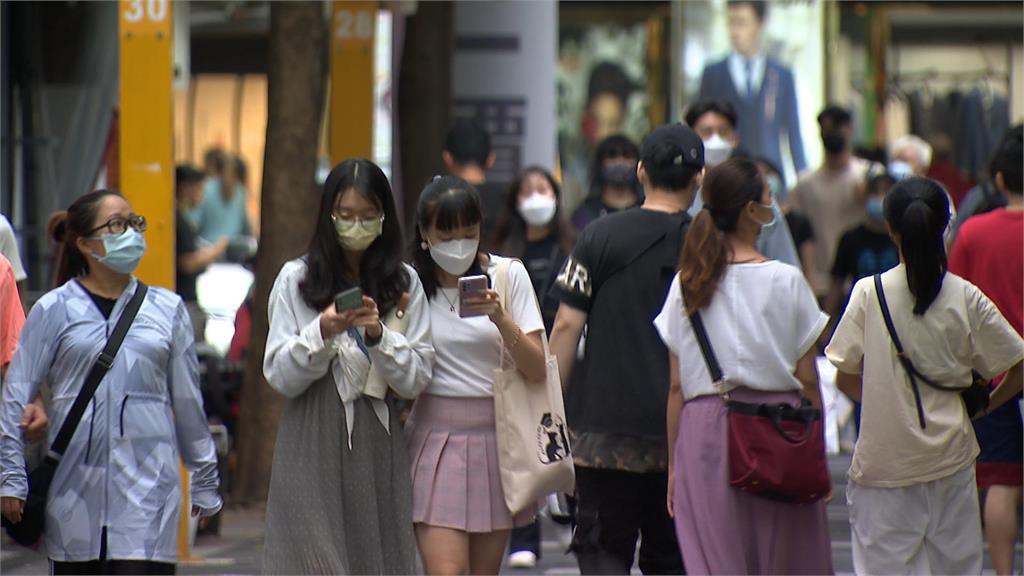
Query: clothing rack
[950, 76]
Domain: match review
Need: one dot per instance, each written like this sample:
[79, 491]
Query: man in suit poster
[759, 87]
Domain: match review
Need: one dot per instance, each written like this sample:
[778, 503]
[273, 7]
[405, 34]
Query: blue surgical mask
[123, 251]
[899, 169]
[874, 208]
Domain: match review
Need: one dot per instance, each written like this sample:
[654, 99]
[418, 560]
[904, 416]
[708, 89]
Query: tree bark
[424, 97]
[296, 77]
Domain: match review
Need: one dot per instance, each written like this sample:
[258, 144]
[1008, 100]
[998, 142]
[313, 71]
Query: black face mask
[619, 175]
[834, 143]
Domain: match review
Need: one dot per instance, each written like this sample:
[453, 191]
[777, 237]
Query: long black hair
[509, 237]
[917, 210]
[66, 228]
[382, 276]
[447, 203]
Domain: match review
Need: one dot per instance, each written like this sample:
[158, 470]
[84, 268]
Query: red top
[989, 253]
[12, 315]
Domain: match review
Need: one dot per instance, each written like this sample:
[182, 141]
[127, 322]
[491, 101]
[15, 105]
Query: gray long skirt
[332, 510]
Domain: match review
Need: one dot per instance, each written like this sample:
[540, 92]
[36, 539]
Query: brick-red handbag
[776, 451]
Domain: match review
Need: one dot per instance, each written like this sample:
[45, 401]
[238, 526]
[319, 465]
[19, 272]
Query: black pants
[112, 567]
[616, 507]
[526, 539]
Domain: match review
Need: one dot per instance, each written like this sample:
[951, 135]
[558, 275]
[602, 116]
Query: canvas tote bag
[534, 457]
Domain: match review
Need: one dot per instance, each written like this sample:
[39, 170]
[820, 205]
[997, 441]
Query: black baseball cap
[672, 144]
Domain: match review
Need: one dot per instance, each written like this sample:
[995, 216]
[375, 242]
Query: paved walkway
[239, 546]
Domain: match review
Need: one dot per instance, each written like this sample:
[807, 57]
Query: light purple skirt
[723, 530]
[456, 481]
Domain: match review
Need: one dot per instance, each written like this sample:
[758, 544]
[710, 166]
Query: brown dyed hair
[727, 189]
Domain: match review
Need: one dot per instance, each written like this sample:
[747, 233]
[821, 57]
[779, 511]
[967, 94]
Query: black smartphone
[350, 299]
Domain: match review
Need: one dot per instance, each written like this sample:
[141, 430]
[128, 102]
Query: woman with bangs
[461, 519]
[340, 498]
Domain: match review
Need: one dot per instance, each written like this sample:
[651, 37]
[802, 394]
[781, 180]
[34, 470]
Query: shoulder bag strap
[705, 349]
[99, 369]
[912, 373]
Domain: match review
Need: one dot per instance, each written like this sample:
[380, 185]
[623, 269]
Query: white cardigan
[296, 354]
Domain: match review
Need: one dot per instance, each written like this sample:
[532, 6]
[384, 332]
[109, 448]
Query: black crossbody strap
[99, 369]
[912, 372]
[705, 347]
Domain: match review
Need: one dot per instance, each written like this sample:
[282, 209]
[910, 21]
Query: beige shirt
[962, 330]
[831, 202]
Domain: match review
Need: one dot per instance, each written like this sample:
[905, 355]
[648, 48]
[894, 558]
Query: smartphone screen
[349, 300]
[470, 287]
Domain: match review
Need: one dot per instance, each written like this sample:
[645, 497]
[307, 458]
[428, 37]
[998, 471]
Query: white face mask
[899, 169]
[538, 209]
[455, 256]
[716, 150]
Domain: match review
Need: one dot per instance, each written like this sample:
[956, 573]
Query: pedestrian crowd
[653, 354]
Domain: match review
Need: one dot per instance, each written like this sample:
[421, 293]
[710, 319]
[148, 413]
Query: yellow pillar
[147, 170]
[353, 28]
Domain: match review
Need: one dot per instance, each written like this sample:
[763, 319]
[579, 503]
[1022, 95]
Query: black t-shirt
[186, 239]
[862, 253]
[620, 273]
[105, 305]
[493, 196]
[543, 258]
[800, 228]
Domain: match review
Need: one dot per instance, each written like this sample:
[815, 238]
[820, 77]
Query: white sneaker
[522, 559]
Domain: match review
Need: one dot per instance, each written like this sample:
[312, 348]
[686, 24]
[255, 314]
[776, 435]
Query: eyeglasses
[118, 225]
[360, 222]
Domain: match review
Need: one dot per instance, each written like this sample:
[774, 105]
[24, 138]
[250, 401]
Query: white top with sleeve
[762, 319]
[960, 331]
[297, 355]
[469, 349]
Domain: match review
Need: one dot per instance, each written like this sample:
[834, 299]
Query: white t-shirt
[468, 350]
[762, 319]
[960, 331]
[9, 248]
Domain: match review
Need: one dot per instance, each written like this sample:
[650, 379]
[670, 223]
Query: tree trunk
[424, 97]
[296, 75]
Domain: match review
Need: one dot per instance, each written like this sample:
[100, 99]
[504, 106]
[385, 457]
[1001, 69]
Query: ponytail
[703, 261]
[728, 188]
[924, 253]
[917, 210]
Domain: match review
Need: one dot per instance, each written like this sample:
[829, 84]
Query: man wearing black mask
[614, 185]
[832, 196]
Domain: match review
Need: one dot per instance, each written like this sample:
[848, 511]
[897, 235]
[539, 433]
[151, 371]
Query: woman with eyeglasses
[349, 331]
[114, 504]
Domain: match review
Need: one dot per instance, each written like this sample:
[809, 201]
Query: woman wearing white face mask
[113, 504]
[340, 498]
[462, 521]
[533, 229]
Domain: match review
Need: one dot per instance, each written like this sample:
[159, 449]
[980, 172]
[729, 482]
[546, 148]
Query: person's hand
[11, 508]
[221, 246]
[333, 322]
[670, 500]
[369, 317]
[487, 303]
[34, 422]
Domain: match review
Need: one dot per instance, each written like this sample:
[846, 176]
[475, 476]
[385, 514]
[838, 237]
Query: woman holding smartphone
[462, 521]
[340, 499]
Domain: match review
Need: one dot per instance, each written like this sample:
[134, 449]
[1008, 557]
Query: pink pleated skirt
[454, 457]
